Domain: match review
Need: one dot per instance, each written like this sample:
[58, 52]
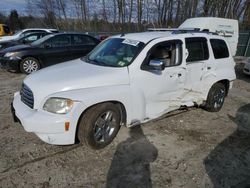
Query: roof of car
[70, 33]
[146, 37]
[42, 29]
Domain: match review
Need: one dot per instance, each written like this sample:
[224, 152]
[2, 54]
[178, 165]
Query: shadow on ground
[228, 165]
[130, 166]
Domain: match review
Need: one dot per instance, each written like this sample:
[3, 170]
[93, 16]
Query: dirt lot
[191, 149]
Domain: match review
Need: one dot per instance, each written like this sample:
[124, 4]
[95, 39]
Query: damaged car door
[163, 77]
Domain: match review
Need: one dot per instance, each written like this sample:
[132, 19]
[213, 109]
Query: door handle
[208, 68]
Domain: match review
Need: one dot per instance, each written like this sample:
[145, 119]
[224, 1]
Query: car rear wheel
[216, 97]
[99, 125]
[29, 65]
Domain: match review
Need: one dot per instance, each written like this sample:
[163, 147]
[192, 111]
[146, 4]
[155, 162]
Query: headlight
[9, 54]
[58, 105]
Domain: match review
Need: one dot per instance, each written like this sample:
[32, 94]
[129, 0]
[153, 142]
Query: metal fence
[244, 44]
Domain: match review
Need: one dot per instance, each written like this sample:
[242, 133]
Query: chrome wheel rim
[219, 98]
[104, 127]
[30, 66]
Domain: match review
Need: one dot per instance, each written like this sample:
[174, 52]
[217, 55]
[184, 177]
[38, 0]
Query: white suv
[126, 80]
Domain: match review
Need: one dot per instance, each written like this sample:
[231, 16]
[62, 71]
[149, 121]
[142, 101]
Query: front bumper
[47, 126]
[9, 64]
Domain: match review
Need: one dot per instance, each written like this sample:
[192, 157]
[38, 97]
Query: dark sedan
[49, 50]
[29, 38]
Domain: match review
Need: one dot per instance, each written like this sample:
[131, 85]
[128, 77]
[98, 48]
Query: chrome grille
[27, 96]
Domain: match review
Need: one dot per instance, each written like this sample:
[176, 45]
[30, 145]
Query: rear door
[56, 49]
[82, 45]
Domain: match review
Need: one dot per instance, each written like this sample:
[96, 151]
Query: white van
[126, 80]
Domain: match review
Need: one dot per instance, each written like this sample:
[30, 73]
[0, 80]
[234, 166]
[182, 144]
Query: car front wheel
[29, 65]
[99, 125]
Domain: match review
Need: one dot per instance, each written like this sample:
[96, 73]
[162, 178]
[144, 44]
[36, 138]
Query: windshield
[115, 52]
[41, 40]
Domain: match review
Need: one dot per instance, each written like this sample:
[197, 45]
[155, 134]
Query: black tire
[29, 65]
[215, 98]
[94, 133]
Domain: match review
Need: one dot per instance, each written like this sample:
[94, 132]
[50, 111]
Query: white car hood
[72, 75]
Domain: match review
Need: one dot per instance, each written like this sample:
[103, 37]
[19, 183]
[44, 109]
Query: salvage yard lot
[191, 149]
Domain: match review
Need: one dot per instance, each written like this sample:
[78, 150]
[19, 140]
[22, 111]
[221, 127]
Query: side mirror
[156, 64]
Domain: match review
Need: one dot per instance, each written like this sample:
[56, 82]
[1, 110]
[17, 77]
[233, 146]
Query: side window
[83, 40]
[168, 52]
[220, 49]
[90, 41]
[42, 35]
[78, 40]
[60, 41]
[197, 49]
[31, 38]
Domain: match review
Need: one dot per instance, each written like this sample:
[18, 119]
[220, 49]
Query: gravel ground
[188, 148]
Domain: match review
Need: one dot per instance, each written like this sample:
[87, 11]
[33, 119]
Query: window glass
[83, 40]
[169, 53]
[197, 49]
[31, 38]
[78, 40]
[60, 41]
[115, 52]
[90, 40]
[220, 49]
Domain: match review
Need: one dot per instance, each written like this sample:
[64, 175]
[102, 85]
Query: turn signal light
[67, 126]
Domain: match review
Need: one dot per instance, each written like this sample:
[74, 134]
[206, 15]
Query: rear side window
[197, 49]
[83, 40]
[220, 49]
[60, 41]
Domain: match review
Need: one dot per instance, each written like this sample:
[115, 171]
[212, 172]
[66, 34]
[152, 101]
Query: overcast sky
[7, 5]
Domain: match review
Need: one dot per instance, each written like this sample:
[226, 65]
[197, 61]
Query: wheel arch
[226, 83]
[32, 56]
[120, 105]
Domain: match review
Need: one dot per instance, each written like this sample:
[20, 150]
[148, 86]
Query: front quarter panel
[86, 98]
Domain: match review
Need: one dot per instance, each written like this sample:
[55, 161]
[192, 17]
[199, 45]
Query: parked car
[49, 50]
[4, 30]
[24, 32]
[29, 38]
[126, 80]
[246, 69]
